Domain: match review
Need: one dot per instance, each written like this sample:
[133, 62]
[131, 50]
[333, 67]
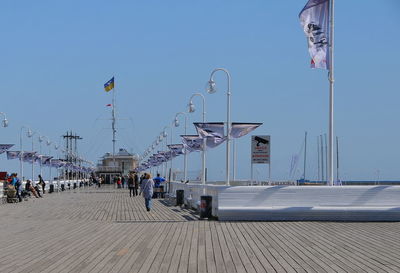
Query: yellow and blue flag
[109, 85]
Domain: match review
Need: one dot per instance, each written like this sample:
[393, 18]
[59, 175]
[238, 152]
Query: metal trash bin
[179, 197]
[205, 206]
[62, 187]
[51, 189]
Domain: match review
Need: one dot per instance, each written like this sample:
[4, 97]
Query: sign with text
[260, 149]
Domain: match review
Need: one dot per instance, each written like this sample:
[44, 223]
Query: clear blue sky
[56, 56]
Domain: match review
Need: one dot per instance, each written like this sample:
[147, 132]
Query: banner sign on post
[260, 149]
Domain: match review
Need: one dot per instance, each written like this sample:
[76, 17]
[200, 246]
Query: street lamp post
[165, 135]
[211, 89]
[160, 140]
[171, 177]
[56, 146]
[176, 123]
[33, 168]
[5, 121]
[203, 155]
[41, 138]
[29, 133]
[48, 143]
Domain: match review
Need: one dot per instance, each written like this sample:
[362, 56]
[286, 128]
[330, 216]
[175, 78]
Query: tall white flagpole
[113, 124]
[331, 93]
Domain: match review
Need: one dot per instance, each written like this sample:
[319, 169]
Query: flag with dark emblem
[5, 147]
[314, 18]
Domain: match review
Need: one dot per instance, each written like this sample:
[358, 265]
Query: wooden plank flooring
[104, 230]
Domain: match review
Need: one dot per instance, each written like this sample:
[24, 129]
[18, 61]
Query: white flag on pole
[314, 18]
[193, 143]
[240, 129]
[29, 157]
[5, 147]
[13, 154]
[210, 129]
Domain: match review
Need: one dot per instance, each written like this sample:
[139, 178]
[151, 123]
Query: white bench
[310, 203]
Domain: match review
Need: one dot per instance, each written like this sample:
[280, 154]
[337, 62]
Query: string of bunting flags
[48, 161]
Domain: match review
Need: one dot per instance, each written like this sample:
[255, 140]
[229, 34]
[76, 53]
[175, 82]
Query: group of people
[15, 188]
[146, 185]
[96, 180]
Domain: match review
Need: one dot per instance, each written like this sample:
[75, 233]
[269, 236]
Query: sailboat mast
[322, 159]
[337, 159]
[305, 155]
[319, 171]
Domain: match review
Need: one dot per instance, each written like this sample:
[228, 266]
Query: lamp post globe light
[203, 155]
[211, 88]
[176, 123]
[5, 121]
[29, 133]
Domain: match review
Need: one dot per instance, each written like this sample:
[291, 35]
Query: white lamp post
[33, 168]
[56, 146]
[5, 121]
[29, 133]
[172, 127]
[160, 139]
[211, 89]
[48, 143]
[203, 159]
[41, 138]
[165, 135]
[176, 123]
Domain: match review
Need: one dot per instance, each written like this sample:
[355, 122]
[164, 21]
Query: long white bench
[310, 203]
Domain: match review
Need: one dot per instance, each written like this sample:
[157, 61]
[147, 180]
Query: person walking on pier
[123, 180]
[147, 189]
[16, 182]
[42, 183]
[119, 182]
[131, 185]
[136, 183]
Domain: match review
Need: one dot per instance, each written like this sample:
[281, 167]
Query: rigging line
[94, 141]
[129, 139]
[129, 144]
[295, 167]
[96, 151]
[133, 134]
[93, 137]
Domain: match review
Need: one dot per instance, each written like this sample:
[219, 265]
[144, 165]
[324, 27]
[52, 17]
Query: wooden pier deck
[104, 230]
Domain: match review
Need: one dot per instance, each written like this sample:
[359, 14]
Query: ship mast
[113, 127]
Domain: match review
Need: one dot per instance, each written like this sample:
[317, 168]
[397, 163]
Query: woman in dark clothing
[42, 183]
[131, 185]
[136, 181]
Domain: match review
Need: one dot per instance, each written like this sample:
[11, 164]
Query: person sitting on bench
[30, 188]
